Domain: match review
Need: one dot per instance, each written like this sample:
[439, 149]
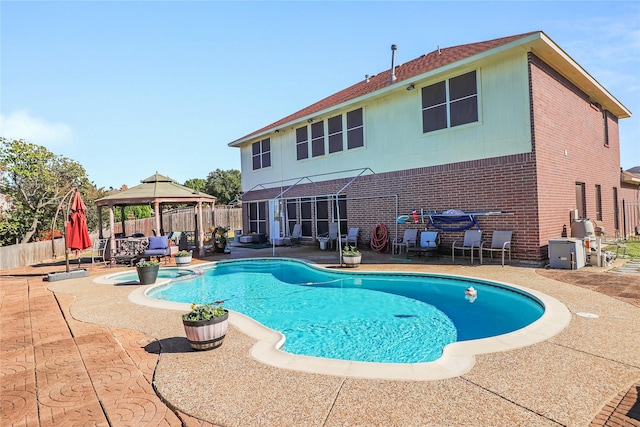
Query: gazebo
[156, 191]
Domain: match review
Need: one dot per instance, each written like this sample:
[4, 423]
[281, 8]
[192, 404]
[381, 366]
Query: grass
[633, 248]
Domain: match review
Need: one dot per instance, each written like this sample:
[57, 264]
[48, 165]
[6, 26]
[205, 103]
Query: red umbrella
[77, 233]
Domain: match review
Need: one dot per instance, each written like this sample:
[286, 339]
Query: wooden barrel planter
[351, 260]
[206, 334]
[183, 260]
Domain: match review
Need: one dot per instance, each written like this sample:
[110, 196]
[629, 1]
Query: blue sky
[131, 88]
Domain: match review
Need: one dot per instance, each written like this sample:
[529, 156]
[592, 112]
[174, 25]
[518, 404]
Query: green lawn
[633, 248]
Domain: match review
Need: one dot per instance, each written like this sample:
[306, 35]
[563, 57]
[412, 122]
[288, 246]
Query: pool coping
[457, 359]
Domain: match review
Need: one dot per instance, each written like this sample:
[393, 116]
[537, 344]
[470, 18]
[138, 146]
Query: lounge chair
[331, 236]
[429, 242]
[158, 248]
[352, 237]
[500, 242]
[408, 240]
[296, 233]
[472, 241]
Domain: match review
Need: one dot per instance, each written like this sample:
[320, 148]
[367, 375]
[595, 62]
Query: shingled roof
[439, 58]
[408, 70]
[156, 188]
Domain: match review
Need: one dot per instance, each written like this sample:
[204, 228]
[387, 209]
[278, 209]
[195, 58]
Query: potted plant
[351, 256]
[183, 258]
[206, 325]
[147, 271]
[220, 239]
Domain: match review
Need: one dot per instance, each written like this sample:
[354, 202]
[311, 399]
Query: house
[512, 125]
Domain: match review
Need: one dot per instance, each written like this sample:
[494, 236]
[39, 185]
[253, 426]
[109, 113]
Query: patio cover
[155, 190]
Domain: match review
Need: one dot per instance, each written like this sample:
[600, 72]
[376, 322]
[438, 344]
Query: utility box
[566, 254]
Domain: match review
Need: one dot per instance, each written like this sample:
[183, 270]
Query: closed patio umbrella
[77, 234]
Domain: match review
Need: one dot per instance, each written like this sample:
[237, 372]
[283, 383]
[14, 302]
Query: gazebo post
[100, 232]
[124, 220]
[112, 231]
[156, 206]
[200, 231]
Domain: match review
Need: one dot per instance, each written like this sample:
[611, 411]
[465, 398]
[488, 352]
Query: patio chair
[331, 236]
[472, 241]
[296, 233]
[500, 242]
[352, 237]
[158, 248]
[429, 242]
[408, 240]
[101, 249]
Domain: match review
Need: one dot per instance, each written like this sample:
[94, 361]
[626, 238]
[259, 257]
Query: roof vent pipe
[392, 77]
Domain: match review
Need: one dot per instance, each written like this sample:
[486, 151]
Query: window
[450, 103]
[302, 143]
[317, 139]
[616, 214]
[306, 217]
[349, 126]
[292, 214]
[261, 153]
[342, 204]
[335, 134]
[581, 200]
[598, 203]
[606, 128]
[258, 217]
[355, 129]
[322, 215]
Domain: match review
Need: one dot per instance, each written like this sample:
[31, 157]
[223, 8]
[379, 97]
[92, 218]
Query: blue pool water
[163, 273]
[375, 317]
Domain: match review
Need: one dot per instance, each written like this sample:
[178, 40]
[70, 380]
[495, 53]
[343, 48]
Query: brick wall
[569, 147]
[496, 184]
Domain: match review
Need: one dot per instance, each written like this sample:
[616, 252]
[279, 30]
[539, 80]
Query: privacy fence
[178, 220]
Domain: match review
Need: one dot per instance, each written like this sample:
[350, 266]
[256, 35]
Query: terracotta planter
[147, 275]
[183, 260]
[206, 334]
[352, 260]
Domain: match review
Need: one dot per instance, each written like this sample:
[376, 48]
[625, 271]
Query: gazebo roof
[156, 188]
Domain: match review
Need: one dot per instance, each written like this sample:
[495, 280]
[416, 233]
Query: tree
[133, 212]
[224, 185]
[197, 184]
[34, 181]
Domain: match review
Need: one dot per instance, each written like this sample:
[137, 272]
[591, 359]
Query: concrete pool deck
[86, 341]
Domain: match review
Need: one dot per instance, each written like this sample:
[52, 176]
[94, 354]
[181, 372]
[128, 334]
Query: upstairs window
[302, 143]
[450, 103]
[335, 134]
[324, 139]
[317, 139]
[355, 129]
[605, 118]
[261, 154]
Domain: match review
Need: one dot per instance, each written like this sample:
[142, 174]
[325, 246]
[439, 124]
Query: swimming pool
[163, 273]
[366, 317]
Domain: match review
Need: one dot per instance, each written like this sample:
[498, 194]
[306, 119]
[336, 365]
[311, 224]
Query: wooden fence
[184, 220]
[179, 220]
